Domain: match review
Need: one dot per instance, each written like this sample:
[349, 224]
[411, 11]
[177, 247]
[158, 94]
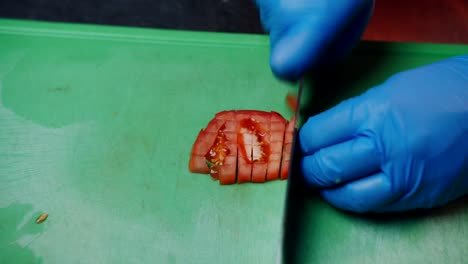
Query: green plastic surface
[96, 126]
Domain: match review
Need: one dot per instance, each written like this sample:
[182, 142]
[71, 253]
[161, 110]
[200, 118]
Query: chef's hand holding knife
[401, 145]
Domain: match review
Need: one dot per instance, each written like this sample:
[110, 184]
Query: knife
[289, 222]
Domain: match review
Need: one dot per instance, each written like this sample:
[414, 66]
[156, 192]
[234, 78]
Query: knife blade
[289, 217]
[298, 104]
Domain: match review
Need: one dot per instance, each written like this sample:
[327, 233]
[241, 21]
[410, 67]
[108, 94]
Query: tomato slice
[205, 140]
[201, 146]
[255, 137]
[287, 148]
[227, 172]
[277, 129]
[243, 146]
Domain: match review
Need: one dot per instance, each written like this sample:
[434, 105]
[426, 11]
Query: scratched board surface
[96, 128]
[96, 125]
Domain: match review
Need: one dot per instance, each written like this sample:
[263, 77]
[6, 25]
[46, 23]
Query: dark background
[206, 15]
[440, 21]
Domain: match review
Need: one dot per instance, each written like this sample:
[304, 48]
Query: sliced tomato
[242, 146]
[287, 148]
[227, 172]
[277, 129]
[255, 136]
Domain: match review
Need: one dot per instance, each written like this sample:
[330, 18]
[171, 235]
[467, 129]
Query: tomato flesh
[287, 148]
[277, 129]
[253, 142]
[227, 172]
[243, 146]
[217, 153]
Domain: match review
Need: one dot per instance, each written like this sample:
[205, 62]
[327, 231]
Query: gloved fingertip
[295, 49]
[281, 68]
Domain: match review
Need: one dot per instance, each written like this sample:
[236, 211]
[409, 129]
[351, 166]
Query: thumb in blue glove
[401, 145]
[306, 33]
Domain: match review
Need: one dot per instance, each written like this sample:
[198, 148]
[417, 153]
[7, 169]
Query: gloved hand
[308, 33]
[401, 145]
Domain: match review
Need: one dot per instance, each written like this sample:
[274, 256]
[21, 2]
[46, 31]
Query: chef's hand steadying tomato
[308, 33]
[402, 145]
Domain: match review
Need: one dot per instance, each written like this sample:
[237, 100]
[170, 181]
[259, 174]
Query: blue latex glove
[401, 145]
[308, 33]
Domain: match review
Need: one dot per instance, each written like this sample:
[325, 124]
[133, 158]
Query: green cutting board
[96, 126]
[96, 129]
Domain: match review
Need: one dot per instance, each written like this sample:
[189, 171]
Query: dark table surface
[442, 21]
